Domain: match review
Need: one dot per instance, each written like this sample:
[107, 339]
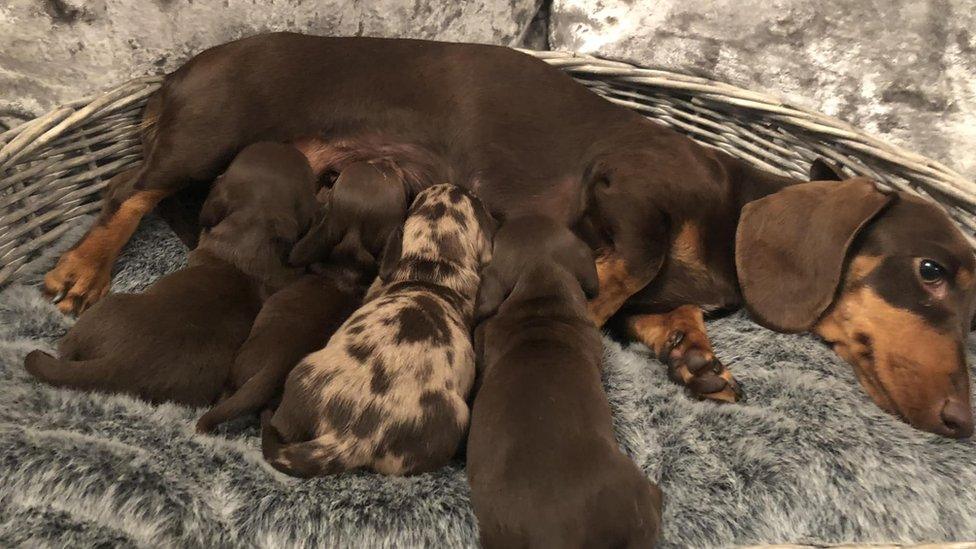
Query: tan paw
[693, 364]
[77, 282]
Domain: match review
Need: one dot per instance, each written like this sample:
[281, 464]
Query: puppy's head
[258, 208]
[535, 256]
[447, 230]
[364, 206]
[885, 278]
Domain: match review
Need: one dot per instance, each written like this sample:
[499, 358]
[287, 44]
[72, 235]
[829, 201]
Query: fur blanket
[806, 458]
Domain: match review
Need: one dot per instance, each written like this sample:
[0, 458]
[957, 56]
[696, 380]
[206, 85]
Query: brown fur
[176, 341]
[544, 467]
[363, 208]
[527, 139]
[388, 393]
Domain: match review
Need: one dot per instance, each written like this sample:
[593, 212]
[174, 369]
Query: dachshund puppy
[388, 393]
[544, 466]
[365, 205]
[176, 342]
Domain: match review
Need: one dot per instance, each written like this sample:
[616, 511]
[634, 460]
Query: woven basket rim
[52, 168]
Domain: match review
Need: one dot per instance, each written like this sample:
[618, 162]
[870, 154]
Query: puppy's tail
[79, 374]
[314, 458]
[256, 392]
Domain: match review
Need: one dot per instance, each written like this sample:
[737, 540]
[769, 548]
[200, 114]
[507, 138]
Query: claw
[58, 297]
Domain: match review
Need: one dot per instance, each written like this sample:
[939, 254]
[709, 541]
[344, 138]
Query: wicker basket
[53, 168]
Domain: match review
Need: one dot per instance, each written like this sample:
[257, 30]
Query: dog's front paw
[77, 281]
[692, 363]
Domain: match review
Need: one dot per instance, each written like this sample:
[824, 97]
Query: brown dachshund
[662, 211]
[366, 205]
[176, 341]
[544, 466]
[389, 391]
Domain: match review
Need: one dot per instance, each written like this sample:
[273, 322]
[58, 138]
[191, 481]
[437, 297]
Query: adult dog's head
[885, 278]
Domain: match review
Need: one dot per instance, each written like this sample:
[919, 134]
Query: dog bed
[807, 458]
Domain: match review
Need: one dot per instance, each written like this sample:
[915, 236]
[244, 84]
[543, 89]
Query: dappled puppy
[365, 205]
[177, 340]
[388, 393]
[545, 470]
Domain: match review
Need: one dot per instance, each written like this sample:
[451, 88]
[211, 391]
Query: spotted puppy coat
[389, 391]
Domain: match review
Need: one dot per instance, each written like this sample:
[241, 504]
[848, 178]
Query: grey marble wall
[904, 70]
[52, 51]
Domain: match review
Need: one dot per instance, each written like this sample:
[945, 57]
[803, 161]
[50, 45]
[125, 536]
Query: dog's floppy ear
[213, 211]
[579, 261]
[492, 292]
[822, 170]
[586, 274]
[316, 244]
[790, 248]
[391, 253]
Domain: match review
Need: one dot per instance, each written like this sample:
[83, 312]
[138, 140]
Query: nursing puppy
[388, 393]
[545, 469]
[365, 205]
[177, 340]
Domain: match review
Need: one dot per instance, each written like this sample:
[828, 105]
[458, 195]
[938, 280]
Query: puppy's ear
[790, 248]
[214, 210]
[492, 292]
[822, 170]
[391, 253]
[578, 260]
[586, 274]
[316, 244]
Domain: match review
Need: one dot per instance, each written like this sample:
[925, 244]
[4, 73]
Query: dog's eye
[931, 272]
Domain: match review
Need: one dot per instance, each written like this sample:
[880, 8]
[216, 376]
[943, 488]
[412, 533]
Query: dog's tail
[318, 457]
[250, 397]
[78, 374]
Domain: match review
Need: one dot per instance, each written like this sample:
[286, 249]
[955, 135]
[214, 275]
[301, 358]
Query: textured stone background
[902, 69]
[53, 51]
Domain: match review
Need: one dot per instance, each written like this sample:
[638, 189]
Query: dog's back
[175, 341]
[558, 480]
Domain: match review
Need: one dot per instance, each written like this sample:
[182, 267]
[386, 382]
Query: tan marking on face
[964, 278]
[860, 267]
[905, 365]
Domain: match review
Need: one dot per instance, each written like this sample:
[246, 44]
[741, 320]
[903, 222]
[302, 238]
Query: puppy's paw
[692, 363]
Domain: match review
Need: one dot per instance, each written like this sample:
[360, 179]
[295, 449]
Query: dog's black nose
[957, 419]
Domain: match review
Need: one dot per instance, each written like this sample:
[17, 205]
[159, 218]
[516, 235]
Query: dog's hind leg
[83, 274]
[181, 149]
[256, 392]
[679, 340]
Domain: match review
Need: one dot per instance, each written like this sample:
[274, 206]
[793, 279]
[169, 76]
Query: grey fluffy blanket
[807, 458]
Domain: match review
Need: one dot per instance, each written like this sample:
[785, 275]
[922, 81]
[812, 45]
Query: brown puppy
[388, 393]
[544, 467]
[366, 204]
[177, 340]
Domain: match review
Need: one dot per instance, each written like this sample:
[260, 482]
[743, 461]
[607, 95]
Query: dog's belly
[509, 127]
